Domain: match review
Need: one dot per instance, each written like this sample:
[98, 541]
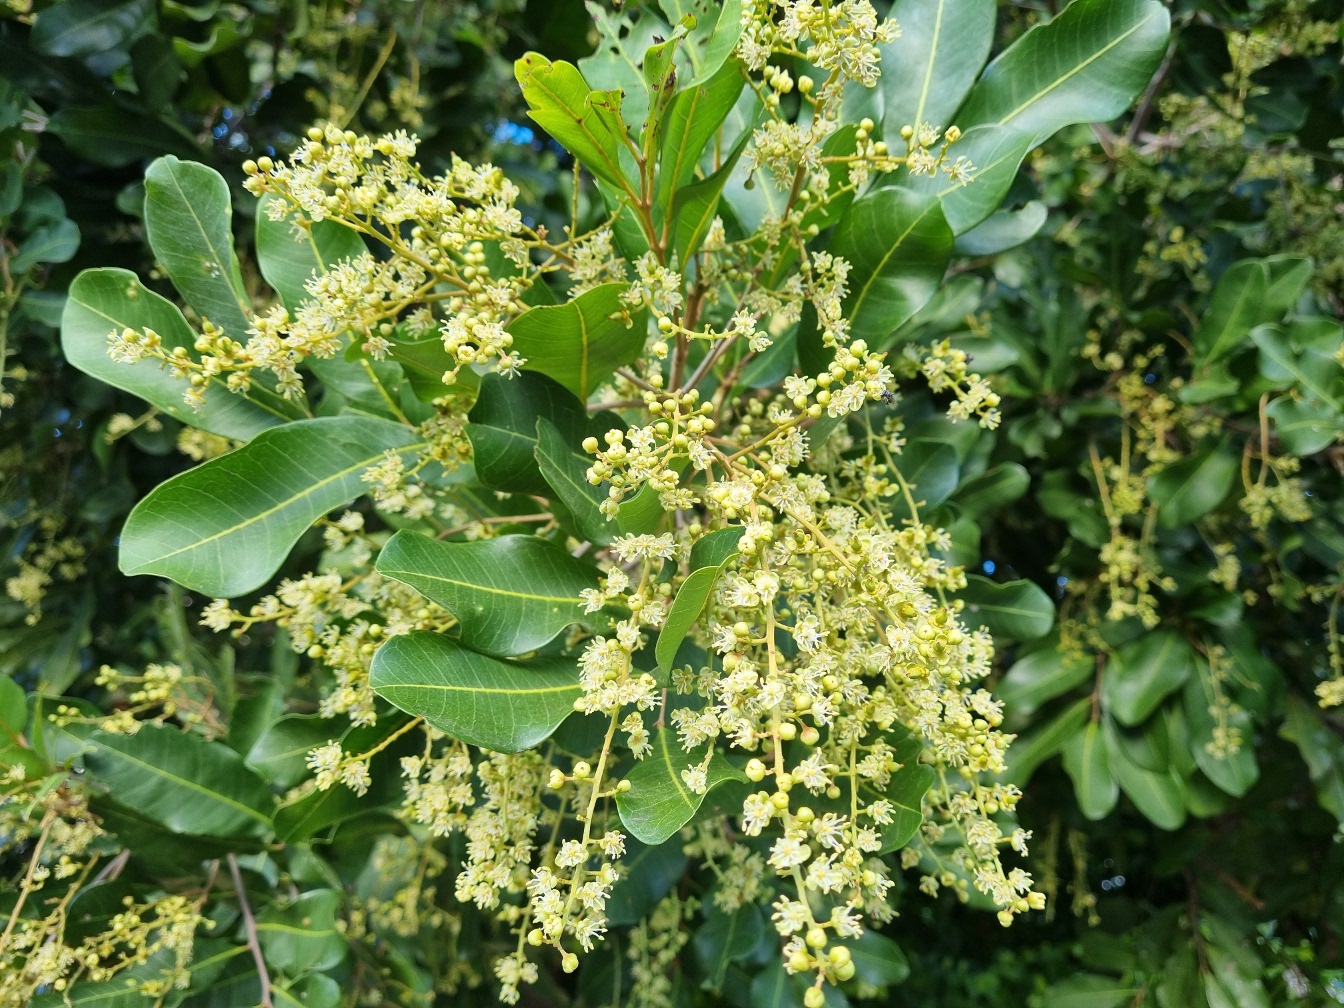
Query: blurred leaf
[1140, 675]
[1017, 610]
[1089, 767]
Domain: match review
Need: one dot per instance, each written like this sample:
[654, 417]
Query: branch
[251, 924]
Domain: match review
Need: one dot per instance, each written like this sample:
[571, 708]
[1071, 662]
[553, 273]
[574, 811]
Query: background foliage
[1157, 303]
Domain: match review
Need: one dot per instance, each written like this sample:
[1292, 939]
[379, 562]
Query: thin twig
[1150, 93]
[114, 867]
[251, 924]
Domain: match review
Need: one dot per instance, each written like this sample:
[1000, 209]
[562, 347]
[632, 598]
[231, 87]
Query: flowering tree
[647, 623]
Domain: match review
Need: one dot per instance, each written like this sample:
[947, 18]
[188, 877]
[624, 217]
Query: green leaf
[650, 873]
[303, 935]
[1288, 277]
[931, 470]
[1014, 610]
[1003, 230]
[1233, 771]
[567, 474]
[581, 342]
[1086, 65]
[188, 217]
[1237, 307]
[1088, 991]
[511, 594]
[1304, 428]
[280, 755]
[878, 961]
[108, 135]
[996, 152]
[897, 244]
[1322, 750]
[586, 122]
[1088, 765]
[694, 116]
[710, 42]
[51, 243]
[725, 938]
[503, 706]
[503, 429]
[695, 206]
[906, 793]
[291, 250]
[1303, 355]
[180, 781]
[225, 527]
[91, 27]
[1140, 675]
[1158, 794]
[103, 301]
[1039, 677]
[714, 548]
[991, 489]
[659, 801]
[928, 70]
[1194, 486]
[1034, 748]
[691, 599]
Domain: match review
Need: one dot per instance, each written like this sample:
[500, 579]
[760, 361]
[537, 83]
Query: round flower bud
[816, 938]
[814, 998]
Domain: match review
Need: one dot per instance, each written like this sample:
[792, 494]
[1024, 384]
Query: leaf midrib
[189, 784]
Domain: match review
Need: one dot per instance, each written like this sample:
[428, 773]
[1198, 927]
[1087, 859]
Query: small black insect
[887, 396]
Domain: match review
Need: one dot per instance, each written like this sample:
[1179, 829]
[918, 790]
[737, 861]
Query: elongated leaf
[725, 938]
[659, 801]
[1039, 677]
[1034, 748]
[180, 781]
[995, 151]
[1003, 230]
[1304, 428]
[581, 342]
[695, 115]
[1321, 749]
[1086, 65]
[928, 70]
[1141, 674]
[503, 429]
[931, 470]
[714, 548]
[878, 960]
[697, 204]
[290, 251]
[498, 705]
[104, 301]
[1194, 486]
[188, 215]
[906, 793]
[1232, 768]
[567, 475]
[686, 608]
[224, 527]
[1017, 610]
[588, 123]
[993, 488]
[51, 243]
[510, 595]
[303, 935]
[1158, 794]
[91, 27]
[1088, 764]
[710, 43]
[1237, 307]
[1302, 355]
[1088, 991]
[898, 244]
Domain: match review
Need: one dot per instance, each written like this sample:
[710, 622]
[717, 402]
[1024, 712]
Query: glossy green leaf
[303, 935]
[225, 527]
[1015, 610]
[587, 122]
[995, 151]
[1140, 675]
[696, 205]
[928, 70]
[931, 470]
[1194, 486]
[1237, 307]
[714, 548]
[710, 42]
[1321, 749]
[725, 938]
[1039, 677]
[906, 793]
[567, 475]
[1158, 794]
[694, 116]
[103, 301]
[659, 801]
[1302, 354]
[1088, 765]
[51, 243]
[1003, 230]
[1233, 770]
[503, 429]
[91, 27]
[897, 244]
[280, 754]
[1304, 428]
[581, 342]
[510, 594]
[686, 608]
[991, 489]
[291, 250]
[180, 781]
[1085, 65]
[498, 705]
[188, 218]
[878, 961]
[1035, 747]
